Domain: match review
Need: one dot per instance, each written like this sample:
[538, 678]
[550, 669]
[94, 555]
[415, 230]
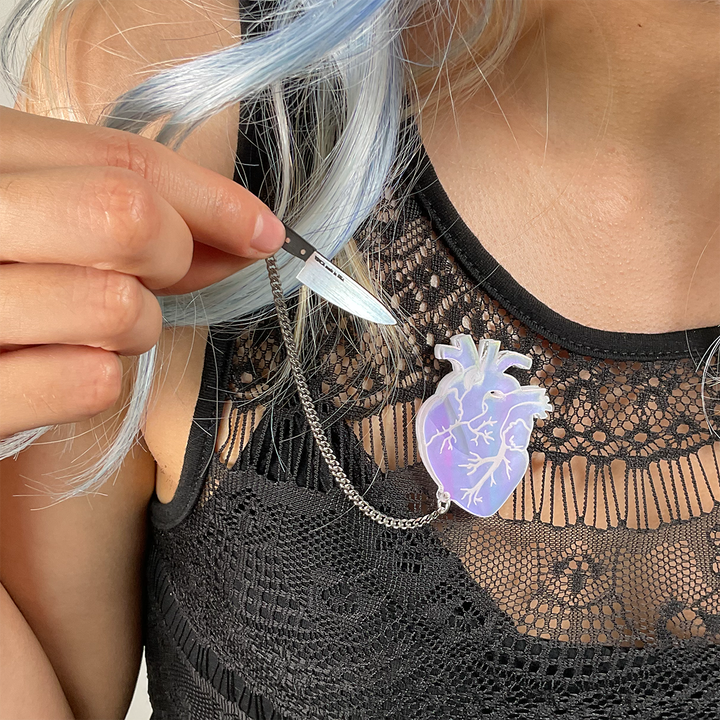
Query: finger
[209, 265]
[97, 308]
[218, 211]
[55, 384]
[102, 218]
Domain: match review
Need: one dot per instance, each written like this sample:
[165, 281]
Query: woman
[566, 207]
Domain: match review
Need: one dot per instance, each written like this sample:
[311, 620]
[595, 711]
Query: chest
[604, 233]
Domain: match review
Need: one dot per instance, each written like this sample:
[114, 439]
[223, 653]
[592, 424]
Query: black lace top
[593, 593]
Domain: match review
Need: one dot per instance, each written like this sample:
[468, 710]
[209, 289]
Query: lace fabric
[593, 593]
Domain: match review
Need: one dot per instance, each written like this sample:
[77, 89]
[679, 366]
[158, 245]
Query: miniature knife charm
[331, 283]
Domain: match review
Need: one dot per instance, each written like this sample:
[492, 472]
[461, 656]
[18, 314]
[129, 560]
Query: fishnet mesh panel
[593, 593]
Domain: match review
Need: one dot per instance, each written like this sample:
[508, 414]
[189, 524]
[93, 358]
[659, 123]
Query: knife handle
[296, 245]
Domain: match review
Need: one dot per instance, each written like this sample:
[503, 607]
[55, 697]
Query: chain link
[443, 500]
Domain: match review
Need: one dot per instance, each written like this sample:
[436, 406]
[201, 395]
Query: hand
[91, 221]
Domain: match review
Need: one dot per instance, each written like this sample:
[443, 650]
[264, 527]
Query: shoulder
[112, 47]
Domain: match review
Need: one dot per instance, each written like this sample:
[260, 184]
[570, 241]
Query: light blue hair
[324, 51]
[347, 58]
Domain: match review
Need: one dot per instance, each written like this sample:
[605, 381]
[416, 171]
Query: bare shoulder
[113, 47]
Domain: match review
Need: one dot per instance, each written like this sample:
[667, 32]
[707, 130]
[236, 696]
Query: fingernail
[269, 233]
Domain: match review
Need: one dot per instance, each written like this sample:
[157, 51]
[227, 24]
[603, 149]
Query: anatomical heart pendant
[473, 433]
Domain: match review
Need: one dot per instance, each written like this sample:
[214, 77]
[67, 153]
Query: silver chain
[443, 500]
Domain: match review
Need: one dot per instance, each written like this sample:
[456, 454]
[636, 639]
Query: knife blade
[327, 280]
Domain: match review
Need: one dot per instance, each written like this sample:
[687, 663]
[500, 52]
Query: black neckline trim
[501, 286]
[201, 441]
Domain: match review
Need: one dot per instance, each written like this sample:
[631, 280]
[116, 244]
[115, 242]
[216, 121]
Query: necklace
[472, 433]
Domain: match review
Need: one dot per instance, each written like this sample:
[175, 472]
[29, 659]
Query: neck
[594, 150]
[645, 70]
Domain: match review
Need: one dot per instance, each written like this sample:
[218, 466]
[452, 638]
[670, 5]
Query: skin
[596, 150]
[574, 157]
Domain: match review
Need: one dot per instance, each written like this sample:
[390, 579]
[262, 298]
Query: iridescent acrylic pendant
[473, 433]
